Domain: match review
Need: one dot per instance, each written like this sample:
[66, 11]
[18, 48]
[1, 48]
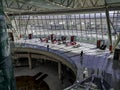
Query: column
[29, 61]
[108, 26]
[7, 81]
[59, 70]
[116, 75]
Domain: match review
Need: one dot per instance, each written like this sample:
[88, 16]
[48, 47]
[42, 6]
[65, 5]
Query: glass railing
[90, 83]
[79, 86]
[75, 86]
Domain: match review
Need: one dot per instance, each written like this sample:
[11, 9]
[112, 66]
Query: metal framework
[78, 3]
[20, 5]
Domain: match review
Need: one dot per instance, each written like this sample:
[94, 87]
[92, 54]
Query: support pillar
[7, 81]
[116, 72]
[29, 61]
[59, 70]
[117, 42]
[108, 26]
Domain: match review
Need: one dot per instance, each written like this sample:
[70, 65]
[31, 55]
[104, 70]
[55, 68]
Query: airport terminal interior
[59, 44]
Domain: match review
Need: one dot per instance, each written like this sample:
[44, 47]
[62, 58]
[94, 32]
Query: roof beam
[58, 11]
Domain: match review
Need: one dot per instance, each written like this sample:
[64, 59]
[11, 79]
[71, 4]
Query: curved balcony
[92, 59]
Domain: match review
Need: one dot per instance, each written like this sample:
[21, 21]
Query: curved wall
[42, 54]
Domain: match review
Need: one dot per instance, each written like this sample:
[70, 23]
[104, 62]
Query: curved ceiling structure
[29, 5]
[56, 5]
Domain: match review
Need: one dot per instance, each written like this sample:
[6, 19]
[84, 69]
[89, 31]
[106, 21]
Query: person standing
[85, 73]
[81, 57]
[81, 53]
[47, 47]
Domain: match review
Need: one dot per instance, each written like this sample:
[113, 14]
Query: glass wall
[87, 27]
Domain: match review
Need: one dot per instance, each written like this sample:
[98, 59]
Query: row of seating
[61, 40]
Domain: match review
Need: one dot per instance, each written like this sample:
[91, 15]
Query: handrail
[44, 48]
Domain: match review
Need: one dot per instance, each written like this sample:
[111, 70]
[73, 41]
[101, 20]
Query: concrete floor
[47, 68]
[52, 80]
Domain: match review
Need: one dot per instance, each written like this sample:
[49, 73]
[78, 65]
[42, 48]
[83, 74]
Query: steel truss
[19, 5]
[79, 3]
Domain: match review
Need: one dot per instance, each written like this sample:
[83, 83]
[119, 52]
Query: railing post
[29, 61]
[59, 70]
